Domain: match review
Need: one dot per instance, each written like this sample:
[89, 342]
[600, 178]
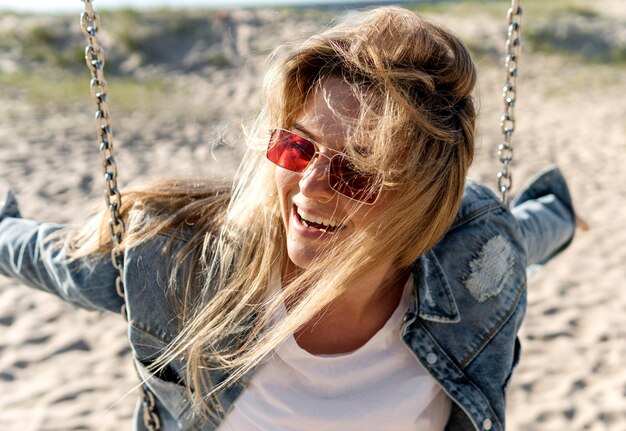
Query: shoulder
[478, 201]
[481, 264]
[484, 233]
[483, 254]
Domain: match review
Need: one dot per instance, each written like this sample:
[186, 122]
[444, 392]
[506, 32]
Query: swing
[95, 60]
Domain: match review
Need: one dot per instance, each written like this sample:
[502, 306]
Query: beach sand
[67, 369]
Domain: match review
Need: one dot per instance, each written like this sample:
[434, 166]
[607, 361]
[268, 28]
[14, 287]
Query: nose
[314, 181]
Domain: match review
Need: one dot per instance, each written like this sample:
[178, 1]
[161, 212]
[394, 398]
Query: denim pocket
[167, 386]
[172, 396]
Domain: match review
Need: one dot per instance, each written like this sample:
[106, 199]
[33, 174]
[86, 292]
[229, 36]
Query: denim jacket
[469, 298]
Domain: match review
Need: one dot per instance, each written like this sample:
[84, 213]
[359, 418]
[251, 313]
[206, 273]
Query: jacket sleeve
[32, 256]
[545, 214]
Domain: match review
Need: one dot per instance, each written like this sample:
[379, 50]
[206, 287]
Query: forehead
[330, 112]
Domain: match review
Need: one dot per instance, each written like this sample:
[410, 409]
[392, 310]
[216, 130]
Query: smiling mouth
[311, 222]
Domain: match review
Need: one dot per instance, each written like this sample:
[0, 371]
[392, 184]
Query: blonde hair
[414, 82]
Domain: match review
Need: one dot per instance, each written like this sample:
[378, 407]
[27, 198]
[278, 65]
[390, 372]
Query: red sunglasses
[295, 153]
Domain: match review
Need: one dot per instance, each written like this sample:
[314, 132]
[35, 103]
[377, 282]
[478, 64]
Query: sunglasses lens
[344, 179]
[294, 153]
[290, 151]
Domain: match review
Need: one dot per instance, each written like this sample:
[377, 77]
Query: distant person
[350, 279]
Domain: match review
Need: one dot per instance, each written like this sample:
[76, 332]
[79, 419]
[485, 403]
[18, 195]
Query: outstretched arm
[31, 253]
[546, 217]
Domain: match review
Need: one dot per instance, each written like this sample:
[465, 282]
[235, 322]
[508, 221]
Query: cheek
[286, 186]
[372, 217]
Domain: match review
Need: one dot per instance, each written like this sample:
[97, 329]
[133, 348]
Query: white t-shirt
[380, 386]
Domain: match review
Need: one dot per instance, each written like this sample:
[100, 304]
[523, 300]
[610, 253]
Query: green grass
[320, 15]
[547, 41]
[47, 45]
[132, 32]
[532, 8]
[37, 44]
[535, 9]
[124, 25]
[63, 90]
[492, 8]
[42, 35]
[575, 30]
[41, 88]
[132, 95]
[550, 26]
[219, 60]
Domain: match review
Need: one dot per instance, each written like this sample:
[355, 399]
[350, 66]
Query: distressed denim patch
[487, 271]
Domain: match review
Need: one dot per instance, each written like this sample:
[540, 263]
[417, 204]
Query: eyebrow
[362, 150]
[299, 127]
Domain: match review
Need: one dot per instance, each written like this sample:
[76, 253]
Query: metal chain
[509, 95]
[94, 57]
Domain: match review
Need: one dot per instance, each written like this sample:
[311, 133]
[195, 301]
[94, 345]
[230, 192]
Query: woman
[351, 278]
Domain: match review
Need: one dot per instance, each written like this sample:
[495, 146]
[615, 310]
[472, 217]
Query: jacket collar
[433, 300]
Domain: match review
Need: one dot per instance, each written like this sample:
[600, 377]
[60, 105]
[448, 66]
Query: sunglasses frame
[317, 152]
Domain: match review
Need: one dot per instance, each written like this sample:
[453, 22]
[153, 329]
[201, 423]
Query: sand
[63, 368]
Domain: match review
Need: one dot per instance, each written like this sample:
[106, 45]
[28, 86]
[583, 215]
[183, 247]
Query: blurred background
[184, 82]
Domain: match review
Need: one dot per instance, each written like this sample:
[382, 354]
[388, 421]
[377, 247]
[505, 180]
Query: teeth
[306, 217]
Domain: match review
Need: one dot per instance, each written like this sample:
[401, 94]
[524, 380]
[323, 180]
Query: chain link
[509, 96]
[94, 57]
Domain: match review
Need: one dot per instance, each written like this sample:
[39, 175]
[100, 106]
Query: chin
[300, 257]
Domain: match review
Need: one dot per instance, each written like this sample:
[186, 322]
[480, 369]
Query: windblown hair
[414, 81]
